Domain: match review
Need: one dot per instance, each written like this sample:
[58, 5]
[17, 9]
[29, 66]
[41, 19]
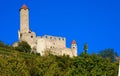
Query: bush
[23, 47]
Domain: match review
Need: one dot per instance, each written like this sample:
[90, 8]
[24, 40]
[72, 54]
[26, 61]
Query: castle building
[41, 44]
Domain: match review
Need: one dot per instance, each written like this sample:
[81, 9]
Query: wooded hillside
[15, 63]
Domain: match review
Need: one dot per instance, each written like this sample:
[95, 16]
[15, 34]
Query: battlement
[54, 38]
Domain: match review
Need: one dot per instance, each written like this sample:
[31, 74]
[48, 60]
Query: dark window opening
[20, 35]
[29, 31]
[73, 47]
[31, 36]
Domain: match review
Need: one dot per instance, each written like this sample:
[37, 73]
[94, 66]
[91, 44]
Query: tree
[108, 53]
[85, 48]
[23, 47]
[2, 44]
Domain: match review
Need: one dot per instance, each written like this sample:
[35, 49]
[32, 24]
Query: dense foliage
[23, 47]
[15, 63]
[109, 53]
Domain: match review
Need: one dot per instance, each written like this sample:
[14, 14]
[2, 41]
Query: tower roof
[24, 7]
[73, 42]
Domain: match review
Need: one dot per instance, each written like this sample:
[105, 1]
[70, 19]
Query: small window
[31, 36]
[20, 35]
[29, 31]
[50, 37]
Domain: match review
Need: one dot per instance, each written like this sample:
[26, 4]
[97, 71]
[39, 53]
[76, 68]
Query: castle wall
[30, 38]
[61, 51]
[56, 51]
[54, 42]
[67, 51]
[41, 46]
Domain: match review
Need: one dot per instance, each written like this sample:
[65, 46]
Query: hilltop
[15, 63]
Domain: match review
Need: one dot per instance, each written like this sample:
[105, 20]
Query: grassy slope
[14, 63]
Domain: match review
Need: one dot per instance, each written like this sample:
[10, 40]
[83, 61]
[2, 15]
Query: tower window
[31, 36]
[20, 35]
[29, 31]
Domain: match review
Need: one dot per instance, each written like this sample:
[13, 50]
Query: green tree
[108, 53]
[85, 48]
[23, 47]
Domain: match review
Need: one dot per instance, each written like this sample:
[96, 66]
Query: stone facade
[56, 45]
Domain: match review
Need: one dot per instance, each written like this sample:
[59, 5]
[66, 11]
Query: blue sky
[96, 22]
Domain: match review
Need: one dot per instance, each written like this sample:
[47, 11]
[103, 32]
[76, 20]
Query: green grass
[11, 52]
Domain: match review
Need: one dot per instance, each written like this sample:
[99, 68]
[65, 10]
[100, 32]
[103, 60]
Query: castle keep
[41, 44]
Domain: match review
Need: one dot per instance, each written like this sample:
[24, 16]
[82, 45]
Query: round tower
[74, 48]
[24, 19]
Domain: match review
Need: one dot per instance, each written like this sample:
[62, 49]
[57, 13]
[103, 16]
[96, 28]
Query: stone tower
[74, 48]
[24, 19]
[25, 34]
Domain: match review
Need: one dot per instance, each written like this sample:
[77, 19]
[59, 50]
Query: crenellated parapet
[54, 41]
[54, 38]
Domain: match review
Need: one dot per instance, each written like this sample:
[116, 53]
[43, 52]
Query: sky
[95, 22]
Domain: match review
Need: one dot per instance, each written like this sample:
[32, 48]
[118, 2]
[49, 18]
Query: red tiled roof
[73, 42]
[24, 7]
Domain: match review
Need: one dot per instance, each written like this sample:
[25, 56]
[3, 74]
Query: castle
[56, 45]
